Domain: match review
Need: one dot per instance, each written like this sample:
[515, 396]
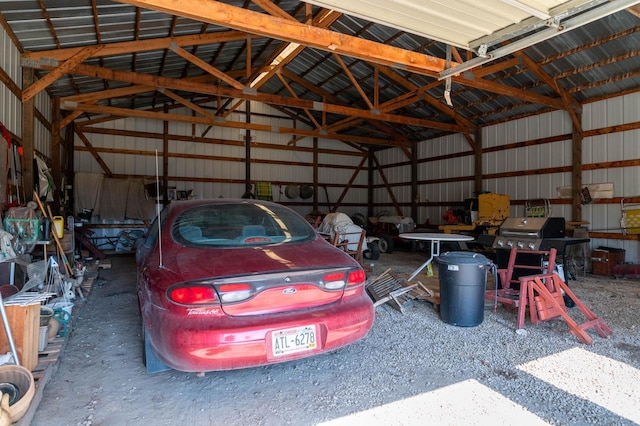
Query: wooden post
[247, 150]
[576, 174]
[370, 193]
[414, 181]
[28, 112]
[316, 207]
[165, 158]
[478, 160]
[56, 168]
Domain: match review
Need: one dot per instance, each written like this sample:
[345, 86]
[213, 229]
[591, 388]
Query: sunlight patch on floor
[596, 378]
[467, 402]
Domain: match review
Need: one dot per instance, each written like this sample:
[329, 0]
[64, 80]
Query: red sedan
[225, 284]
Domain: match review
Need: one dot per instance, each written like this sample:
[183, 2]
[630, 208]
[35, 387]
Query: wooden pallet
[90, 276]
[395, 290]
[47, 357]
[432, 284]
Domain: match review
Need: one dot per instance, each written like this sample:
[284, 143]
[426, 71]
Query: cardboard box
[24, 322]
[604, 259]
[66, 242]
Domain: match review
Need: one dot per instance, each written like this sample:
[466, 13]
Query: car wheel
[386, 244]
[373, 251]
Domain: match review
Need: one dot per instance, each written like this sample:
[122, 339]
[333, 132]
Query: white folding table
[435, 239]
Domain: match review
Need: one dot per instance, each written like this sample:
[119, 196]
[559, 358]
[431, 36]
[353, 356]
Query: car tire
[386, 244]
[373, 251]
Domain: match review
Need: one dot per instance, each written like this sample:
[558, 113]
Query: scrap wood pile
[396, 290]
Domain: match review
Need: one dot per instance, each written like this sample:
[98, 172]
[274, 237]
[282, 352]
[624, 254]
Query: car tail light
[192, 295]
[234, 292]
[356, 278]
[334, 281]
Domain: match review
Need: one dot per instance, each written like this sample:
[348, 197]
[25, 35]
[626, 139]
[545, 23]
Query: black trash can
[463, 281]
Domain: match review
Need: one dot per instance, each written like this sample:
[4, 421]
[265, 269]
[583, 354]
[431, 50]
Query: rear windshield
[239, 224]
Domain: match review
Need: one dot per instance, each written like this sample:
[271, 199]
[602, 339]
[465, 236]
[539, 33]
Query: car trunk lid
[281, 291]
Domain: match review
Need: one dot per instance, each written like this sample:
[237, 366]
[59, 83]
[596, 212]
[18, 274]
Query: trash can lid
[463, 257]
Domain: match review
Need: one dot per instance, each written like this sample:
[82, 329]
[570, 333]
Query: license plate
[293, 340]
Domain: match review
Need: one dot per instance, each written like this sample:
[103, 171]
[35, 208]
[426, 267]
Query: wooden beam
[315, 175]
[415, 196]
[93, 152]
[122, 112]
[28, 142]
[576, 173]
[56, 166]
[350, 183]
[165, 159]
[477, 162]
[570, 104]
[282, 56]
[66, 67]
[231, 159]
[108, 94]
[502, 89]
[293, 93]
[386, 184]
[215, 141]
[197, 87]
[206, 67]
[30, 59]
[222, 14]
[187, 103]
[10, 84]
[272, 9]
[355, 83]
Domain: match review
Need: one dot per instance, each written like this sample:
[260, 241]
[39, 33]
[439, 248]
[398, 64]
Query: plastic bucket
[463, 281]
[46, 313]
[43, 338]
[58, 223]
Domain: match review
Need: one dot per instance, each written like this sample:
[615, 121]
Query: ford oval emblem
[289, 290]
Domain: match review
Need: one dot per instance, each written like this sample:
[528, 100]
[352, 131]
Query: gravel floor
[412, 368]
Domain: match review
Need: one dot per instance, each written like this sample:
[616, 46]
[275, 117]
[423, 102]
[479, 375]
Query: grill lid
[528, 233]
[533, 227]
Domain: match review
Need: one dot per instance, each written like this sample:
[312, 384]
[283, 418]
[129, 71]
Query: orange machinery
[488, 211]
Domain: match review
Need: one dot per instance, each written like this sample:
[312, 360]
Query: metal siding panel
[595, 115]
[11, 106]
[615, 147]
[614, 108]
[631, 108]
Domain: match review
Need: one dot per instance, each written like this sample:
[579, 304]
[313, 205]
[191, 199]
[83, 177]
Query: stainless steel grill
[528, 233]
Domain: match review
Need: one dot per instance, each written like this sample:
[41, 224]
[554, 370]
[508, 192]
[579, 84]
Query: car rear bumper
[225, 343]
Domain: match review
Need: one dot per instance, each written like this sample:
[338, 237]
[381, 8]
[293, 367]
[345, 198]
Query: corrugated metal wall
[519, 171]
[433, 172]
[225, 162]
[525, 186]
[11, 107]
[612, 147]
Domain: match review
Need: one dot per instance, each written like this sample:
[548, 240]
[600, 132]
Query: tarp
[87, 191]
